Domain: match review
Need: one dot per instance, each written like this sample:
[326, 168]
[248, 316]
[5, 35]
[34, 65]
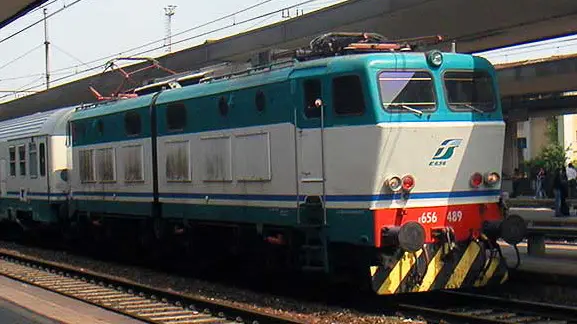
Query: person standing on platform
[516, 180]
[560, 188]
[572, 180]
[539, 191]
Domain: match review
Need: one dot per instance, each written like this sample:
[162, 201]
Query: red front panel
[466, 220]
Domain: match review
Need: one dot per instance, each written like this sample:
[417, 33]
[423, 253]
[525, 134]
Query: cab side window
[176, 117]
[312, 92]
[132, 123]
[348, 96]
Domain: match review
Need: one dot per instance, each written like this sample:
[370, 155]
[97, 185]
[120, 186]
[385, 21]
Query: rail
[145, 303]
[463, 307]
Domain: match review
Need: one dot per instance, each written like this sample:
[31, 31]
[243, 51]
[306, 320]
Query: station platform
[542, 224]
[560, 259]
[543, 215]
[22, 303]
[531, 202]
[13, 313]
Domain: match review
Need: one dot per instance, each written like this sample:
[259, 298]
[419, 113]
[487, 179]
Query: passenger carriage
[34, 165]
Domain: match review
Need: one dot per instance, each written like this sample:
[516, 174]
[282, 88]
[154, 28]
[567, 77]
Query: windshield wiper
[416, 111]
[474, 108]
[409, 108]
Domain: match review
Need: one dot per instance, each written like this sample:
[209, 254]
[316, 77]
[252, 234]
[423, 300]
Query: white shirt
[571, 173]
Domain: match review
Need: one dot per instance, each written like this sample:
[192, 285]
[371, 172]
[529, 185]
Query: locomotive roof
[42, 123]
[255, 78]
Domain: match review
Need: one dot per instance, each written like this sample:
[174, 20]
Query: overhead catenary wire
[127, 51]
[41, 7]
[21, 56]
[100, 59]
[70, 55]
[225, 27]
[55, 80]
[37, 22]
[28, 76]
[222, 28]
[182, 40]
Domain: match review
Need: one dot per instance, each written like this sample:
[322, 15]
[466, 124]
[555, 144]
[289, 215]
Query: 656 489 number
[454, 216]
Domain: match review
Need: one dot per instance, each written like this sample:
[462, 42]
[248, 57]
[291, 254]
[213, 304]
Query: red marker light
[408, 182]
[476, 179]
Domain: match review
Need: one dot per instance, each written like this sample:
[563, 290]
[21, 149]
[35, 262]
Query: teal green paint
[416, 61]
[131, 209]
[203, 112]
[281, 98]
[86, 130]
[41, 210]
[349, 226]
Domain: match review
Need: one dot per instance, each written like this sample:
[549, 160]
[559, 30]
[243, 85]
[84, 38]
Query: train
[356, 156]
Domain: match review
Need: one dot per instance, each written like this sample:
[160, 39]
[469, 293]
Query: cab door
[310, 112]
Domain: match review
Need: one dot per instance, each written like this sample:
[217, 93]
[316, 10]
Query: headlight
[394, 183]
[435, 58]
[492, 178]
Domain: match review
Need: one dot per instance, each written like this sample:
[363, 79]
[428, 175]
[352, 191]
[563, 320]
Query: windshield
[407, 91]
[470, 90]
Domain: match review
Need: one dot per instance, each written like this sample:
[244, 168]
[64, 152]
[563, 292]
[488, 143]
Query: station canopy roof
[11, 10]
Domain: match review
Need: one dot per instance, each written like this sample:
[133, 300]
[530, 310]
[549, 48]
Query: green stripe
[354, 226]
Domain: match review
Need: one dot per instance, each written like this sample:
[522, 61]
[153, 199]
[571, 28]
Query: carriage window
[33, 157]
[407, 91]
[312, 90]
[132, 124]
[42, 148]
[348, 95]
[12, 153]
[22, 159]
[176, 117]
[105, 164]
[177, 161]
[86, 165]
[133, 163]
[470, 90]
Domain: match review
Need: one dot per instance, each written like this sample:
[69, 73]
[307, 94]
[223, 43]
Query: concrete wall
[569, 135]
[534, 130]
[523, 131]
[510, 158]
[538, 136]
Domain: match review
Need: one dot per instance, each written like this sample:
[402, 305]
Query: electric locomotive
[356, 156]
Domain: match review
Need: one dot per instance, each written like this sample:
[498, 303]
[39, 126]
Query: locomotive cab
[438, 175]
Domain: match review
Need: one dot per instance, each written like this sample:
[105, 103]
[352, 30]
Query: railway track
[460, 307]
[141, 302]
[153, 305]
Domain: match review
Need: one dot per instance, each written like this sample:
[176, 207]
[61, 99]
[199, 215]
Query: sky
[84, 34]
[87, 33]
[553, 47]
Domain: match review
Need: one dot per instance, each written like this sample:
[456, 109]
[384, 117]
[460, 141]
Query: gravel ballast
[306, 312]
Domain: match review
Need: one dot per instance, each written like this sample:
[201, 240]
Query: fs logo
[445, 152]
